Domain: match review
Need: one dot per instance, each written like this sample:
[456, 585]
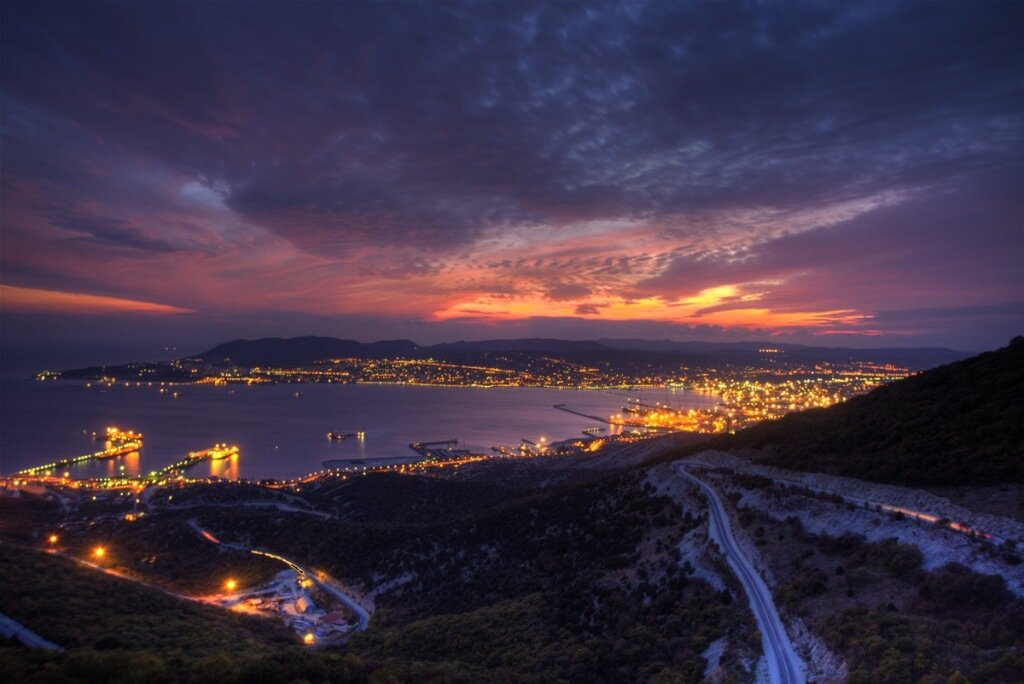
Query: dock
[119, 442]
[439, 450]
[563, 407]
[215, 453]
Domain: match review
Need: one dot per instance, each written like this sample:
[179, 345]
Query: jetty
[118, 442]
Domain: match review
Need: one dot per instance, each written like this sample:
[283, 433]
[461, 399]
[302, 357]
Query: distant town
[760, 383]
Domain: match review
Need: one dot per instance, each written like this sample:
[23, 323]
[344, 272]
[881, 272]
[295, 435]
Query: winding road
[784, 665]
[869, 504]
[321, 579]
[12, 628]
[361, 613]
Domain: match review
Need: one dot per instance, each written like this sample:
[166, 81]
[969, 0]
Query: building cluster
[313, 615]
[751, 395]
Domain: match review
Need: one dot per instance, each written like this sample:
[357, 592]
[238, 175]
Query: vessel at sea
[215, 453]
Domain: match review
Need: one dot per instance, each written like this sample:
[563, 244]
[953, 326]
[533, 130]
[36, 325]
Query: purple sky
[842, 174]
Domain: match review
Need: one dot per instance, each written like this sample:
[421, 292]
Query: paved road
[12, 628]
[128, 578]
[784, 666]
[361, 613]
[321, 580]
[923, 516]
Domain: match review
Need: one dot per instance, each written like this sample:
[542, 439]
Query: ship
[215, 453]
[335, 436]
[115, 435]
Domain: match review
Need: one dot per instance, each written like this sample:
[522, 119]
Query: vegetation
[890, 619]
[79, 607]
[579, 584]
[482, 582]
[957, 424]
[28, 518]
[486, 584]
[960, 621]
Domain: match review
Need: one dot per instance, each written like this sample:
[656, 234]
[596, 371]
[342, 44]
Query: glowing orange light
[230, 585]
[309, 638]
[53, 539]
[99, 552]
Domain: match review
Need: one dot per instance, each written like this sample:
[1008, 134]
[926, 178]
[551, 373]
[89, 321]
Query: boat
[338, 436]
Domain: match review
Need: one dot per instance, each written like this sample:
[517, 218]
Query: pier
[214, 453]
[563, 407]
[119, 442]
[439, 450]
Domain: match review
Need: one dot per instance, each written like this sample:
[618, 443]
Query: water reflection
[225, 468]
[130, 463]
[281, 436]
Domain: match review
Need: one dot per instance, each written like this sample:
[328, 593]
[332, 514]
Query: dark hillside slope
[297, 351]
[954, 425]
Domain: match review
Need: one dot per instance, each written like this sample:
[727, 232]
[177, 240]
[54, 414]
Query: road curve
[322, 581]
[12, 628]
[361, 613]
[784, 665]
[935, 519]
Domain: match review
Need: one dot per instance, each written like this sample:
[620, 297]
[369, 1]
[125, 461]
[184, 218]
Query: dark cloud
[434, 124]
[965, 245]
[397, 138]
[109, 232]
[564, 290]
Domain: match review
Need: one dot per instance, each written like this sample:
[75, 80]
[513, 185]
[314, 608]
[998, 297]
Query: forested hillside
[962, 423]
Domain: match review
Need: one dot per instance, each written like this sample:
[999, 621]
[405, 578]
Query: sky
[839, 174]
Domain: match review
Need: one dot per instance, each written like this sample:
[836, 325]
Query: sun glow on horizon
[726, 306]
[27, 299]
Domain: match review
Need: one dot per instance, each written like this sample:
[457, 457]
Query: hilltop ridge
[958, 424]
[308, 349]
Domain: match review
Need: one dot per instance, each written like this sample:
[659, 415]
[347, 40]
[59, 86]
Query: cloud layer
[802, 169]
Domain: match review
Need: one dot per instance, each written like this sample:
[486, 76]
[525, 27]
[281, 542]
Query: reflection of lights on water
[225, 468]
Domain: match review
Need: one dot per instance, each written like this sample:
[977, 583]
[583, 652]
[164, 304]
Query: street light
[53, 539]
[230, 585]
[309, 638]
[99, 552]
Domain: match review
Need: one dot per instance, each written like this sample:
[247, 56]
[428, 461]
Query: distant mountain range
[304, 350]
[957, 424]
[295, 351]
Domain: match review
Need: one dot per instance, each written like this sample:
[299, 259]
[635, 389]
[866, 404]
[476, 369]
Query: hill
[297, 351]
[302, 350]
[749, 352]
[530, 344]
[958, 424]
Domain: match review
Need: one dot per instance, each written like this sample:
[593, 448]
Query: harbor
[117, 442]
[217, 452]
[280, 437]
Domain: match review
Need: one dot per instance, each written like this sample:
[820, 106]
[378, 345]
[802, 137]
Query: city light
[309, 638]
[53, 539]
[231, 585]
[99, 552]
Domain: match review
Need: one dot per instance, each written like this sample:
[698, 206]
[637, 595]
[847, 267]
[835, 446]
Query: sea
[281, 429]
